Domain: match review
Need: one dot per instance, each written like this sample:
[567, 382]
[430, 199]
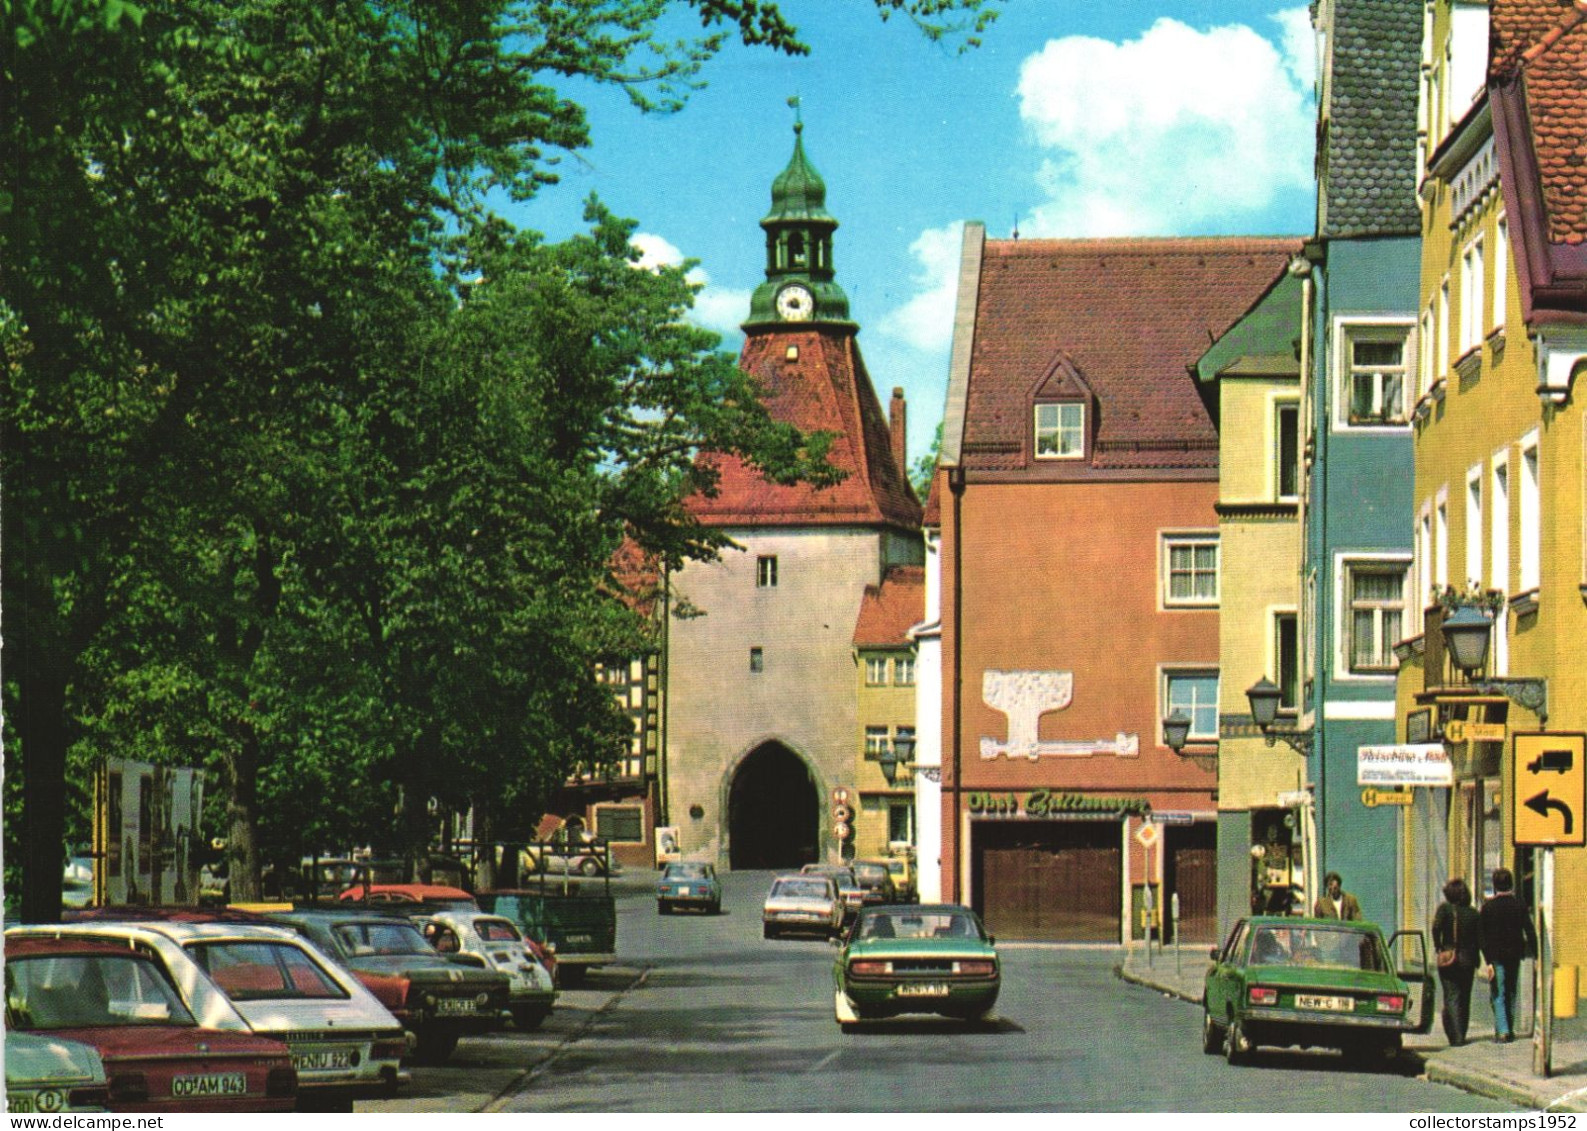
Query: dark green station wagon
[1316, 983]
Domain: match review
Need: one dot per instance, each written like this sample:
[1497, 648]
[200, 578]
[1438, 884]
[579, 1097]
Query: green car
[1316, 983]
[685, 883]
[911, 958]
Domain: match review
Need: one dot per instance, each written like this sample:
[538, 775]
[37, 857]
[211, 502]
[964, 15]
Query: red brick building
[1080, 577]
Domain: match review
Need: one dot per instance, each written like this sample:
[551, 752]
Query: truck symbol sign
[1551, 762]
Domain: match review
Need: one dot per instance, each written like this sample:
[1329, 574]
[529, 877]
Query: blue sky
[1074, 118]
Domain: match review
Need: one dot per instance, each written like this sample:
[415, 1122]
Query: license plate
[924, 989]
[453, 1006]
[578, 938]
[212, 1084]
[322, 1059]
[1333, 1004]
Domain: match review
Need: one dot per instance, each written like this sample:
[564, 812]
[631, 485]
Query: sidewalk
[1503, 1072]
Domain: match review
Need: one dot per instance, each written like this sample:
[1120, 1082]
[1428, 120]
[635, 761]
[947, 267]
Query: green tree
[240, 367]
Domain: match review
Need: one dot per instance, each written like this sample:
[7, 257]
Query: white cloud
[1176, 132]
[925, 322]
[715, 308]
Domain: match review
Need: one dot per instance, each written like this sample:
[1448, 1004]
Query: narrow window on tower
[757, 660]
[766, 572]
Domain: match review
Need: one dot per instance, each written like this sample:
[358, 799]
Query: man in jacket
[1507, 937]
[1335, 902]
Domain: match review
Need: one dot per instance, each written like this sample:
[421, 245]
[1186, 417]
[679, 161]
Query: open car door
[1408, 951]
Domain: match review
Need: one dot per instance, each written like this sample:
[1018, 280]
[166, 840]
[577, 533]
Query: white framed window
[1424, 352]
[875, 671]
[1373, 375]
[1531, 516]
[1499, 539]
[1441, 541]
[1441, 334]
[1424, 561]
[1193, 692]
[1474, 526]
[1061, 430]
[1286, 450]
[876, 741]
[1374, 602]
[1473, 310]
[1286, 659]
[757, 660]
[766, 571]
[1501, 271]
[1190, 570]
[904, 671]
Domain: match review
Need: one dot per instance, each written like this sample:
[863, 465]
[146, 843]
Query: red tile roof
[1547, 47]
[1114, 321]
[825, 389]
[889, 610]
[635, 577]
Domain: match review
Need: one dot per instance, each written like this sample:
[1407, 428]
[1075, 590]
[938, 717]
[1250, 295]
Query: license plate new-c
[924, 989]
[212, 1084]
[1332, 1004]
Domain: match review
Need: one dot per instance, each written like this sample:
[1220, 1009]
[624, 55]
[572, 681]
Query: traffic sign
[1372, 798]
[840, 795]
[841, 830]
[842, 814]
[1147, 834]
[1547, 791]
[1458, 730]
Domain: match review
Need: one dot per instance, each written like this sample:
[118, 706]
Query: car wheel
[663, 907]
[770, 931]
[1211, 1035]
[589, 866]
[432, 1047]
[1235, 1048]
[529, 1017]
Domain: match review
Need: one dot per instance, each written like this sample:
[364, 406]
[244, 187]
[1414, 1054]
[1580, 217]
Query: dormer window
[1061, 430]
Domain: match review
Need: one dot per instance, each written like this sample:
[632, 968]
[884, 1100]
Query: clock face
[795, 303]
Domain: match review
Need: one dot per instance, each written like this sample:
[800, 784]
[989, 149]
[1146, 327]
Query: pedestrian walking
[1457, 932]
[1335, 902]
[1507, 937]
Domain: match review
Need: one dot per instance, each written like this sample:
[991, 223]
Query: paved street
[705, 1015]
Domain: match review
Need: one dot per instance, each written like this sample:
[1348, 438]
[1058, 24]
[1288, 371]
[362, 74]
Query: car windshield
[802, 889]
[497, 930]
[870, 873]
[68, 991]
[359, 939]
[1336, 948]
[256, 971]
[687, 872]
[917, 925]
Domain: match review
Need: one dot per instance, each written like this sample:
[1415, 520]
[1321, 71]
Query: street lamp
[1176, 731]
[1467, 633]
[1265, 697]
[899, 753]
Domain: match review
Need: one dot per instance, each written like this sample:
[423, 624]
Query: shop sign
[1421, 763]
[1050, 803]
[1372, 798]
[1459, 730]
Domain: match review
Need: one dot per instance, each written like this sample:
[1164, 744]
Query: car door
[1408, 952]
[1220, 988]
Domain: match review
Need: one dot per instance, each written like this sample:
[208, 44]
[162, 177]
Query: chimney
[900, 435]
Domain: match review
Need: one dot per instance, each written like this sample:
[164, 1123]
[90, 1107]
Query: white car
[498, 945]
[50, 1075]
[802, 903]
[268, 980]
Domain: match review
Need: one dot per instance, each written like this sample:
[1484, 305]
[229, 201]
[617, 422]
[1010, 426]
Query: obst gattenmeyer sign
[1547, 789]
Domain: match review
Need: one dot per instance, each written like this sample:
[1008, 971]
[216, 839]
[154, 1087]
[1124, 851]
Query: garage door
[1052, 880]
[1192, 874]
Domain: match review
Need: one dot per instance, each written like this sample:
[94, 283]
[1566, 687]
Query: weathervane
[793, 100]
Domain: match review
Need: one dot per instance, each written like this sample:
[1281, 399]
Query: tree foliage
[313, 465]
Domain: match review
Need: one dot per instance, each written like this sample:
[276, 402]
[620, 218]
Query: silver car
[803, 903]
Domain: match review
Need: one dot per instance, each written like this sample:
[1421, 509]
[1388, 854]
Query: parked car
[910, 958]
[850, 892]
[902, 871]
[495, 943]
[572, 921]
[689, 884]
[804, 902]
[436, 897]
[242, 976]
[570, 857]
[875, 881]
[1315, 983]
[50, 1075]
[436, 998]
[157, 1056]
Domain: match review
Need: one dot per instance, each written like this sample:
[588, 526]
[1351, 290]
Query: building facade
[762, 713]
[1080, 566]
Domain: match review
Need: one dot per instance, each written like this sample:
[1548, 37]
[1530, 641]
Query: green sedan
[1316, 983]
[930, 958]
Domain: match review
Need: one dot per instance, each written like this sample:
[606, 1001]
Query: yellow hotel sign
[1546, 789]
[1458, 730]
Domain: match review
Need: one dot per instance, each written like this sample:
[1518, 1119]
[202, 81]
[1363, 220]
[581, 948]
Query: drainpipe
[956, 484]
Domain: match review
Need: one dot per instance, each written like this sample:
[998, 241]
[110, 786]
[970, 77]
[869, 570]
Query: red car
[121, 1003]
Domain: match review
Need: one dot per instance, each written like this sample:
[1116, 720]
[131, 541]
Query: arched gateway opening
[772, 812]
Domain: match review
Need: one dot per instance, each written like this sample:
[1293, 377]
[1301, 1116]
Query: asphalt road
[705, 1015]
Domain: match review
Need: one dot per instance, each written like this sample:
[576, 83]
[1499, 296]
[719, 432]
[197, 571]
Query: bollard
[1565, 989]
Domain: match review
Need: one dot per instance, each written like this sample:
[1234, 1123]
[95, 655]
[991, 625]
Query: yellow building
[1499, 442]
[884, 660]
[1250, 379]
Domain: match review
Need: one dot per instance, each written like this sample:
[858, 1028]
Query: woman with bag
[1457, 930]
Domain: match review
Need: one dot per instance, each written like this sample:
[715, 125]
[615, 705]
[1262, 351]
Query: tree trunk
[40, 718]
[242, 818]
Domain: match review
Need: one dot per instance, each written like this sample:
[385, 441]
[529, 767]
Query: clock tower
[799, 287]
